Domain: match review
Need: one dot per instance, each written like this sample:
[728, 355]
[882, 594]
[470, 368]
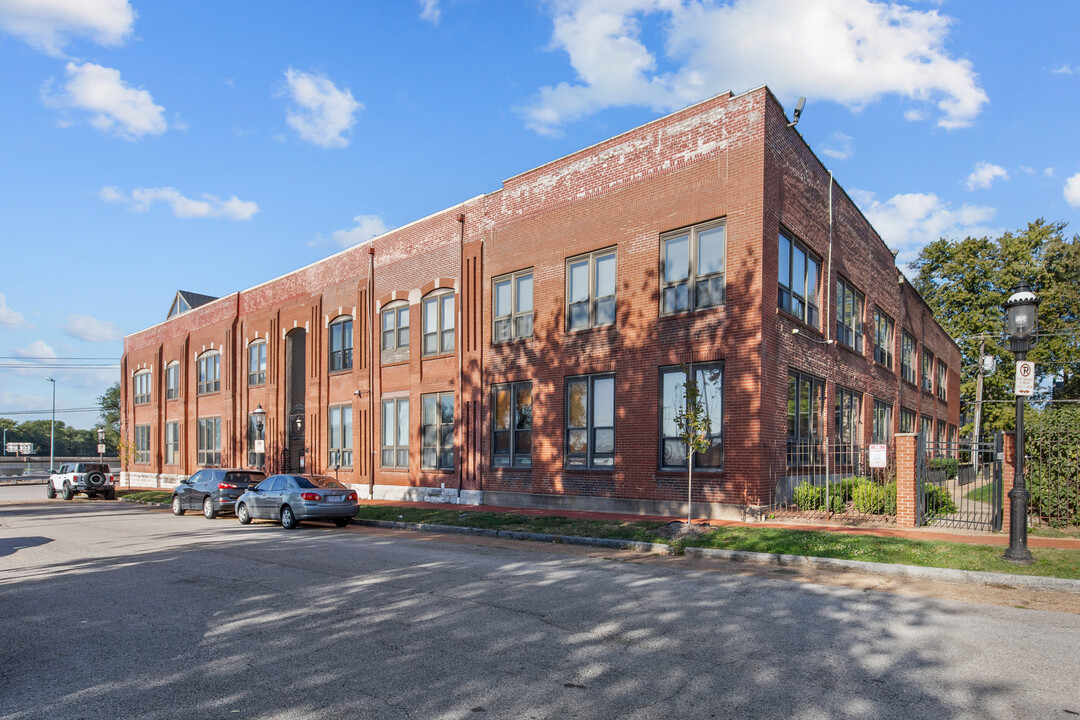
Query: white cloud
[1065, 69]
[984, 174]
[323, 114]
[207, 206]
[90, 329]
[848, 51]
[114, 106]
[429, 10]
[914, 115]
[1072, 190]
[1027, 170]
[839, 146]
[1050, 172]
[908, 221]
[367, 227]
[49, 25]
[10, 319]
[37, 351]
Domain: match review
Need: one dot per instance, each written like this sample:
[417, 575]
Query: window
[256, 442]
[209, 370]
[172, 443]
[142, 444]
[848, 425]
[590, 421]
[209, 441]
[927, 427]
[172, 381]
[941, 373]
[341, 344]
[693, 268]
[907, 359]
[806, 399]
[849, 308]
[395, 332]
[952, 437]
[883, 338]
[513, 306]
[798, 278]
[142, 387]
[907, 420]
[882, 430]
[439, 322]
[710, 381]
[257, 363]
[511, 432]
[340, 436]
[590, 290]
[927, 370]
[437, 445]
[939, 435]
[395, 433]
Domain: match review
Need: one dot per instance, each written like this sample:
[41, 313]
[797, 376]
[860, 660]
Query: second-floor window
[209, 372]
[340, 436]
[907, 359]
[693, 268]
[927, 370]
[798, 280]
[849, 313]
[941, 374]
[142, 387]
[513, 306]
[257, 363]
[883, 338]
[172, 381]
[590, 290]
[511, 431]
[438, 310]
[395, 332]
[341, 344]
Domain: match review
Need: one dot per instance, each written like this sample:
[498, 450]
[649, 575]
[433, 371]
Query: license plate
[334, 498]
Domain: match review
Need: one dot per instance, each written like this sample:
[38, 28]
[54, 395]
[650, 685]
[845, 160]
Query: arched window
[172, 380]
[341, 344]
[209, 372]
[438, 307]
[142, 387]
[394, 321]
[257, 363]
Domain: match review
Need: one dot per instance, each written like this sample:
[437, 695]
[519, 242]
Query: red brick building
[524, 347]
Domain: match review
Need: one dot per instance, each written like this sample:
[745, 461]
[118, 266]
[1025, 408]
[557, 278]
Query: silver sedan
[294, 498]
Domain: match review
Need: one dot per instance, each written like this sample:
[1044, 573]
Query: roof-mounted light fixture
[798, 112]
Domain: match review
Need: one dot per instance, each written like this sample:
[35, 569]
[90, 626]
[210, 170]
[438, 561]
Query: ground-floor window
[395, 433]
[710, 384]
[437, 430]
[511, 424]
[209, 441]
[590, 421]
[256, 442]
[172, 443]
[907, 420]
[806, 398]
[142, 444]
[340, 436]
[882, 431]
[848, 425]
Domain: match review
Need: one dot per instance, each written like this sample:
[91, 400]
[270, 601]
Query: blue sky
[150, 147]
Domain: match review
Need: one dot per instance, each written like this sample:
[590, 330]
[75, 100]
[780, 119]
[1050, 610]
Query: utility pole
[979, 390]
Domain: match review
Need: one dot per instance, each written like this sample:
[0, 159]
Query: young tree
[695, 426]
[110, 415]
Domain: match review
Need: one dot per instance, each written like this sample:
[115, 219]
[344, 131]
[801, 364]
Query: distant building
[524, 348]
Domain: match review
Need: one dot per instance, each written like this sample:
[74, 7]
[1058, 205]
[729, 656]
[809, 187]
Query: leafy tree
[694, 425]
[965, 283]
[110, 415]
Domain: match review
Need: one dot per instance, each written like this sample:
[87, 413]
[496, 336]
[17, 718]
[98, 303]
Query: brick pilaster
[906, 447]
[1008, 475]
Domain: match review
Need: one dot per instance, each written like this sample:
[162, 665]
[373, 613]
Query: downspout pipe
[371, 370]
[461, 350]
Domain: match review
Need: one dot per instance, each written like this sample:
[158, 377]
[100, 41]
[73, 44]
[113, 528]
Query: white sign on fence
[879, 456]
[1025, 377]
[20, 448]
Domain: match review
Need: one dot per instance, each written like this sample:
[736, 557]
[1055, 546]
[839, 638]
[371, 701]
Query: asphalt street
[117, 611]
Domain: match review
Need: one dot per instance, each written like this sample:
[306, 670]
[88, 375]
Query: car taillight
[351, 497]
[226, 486]
[311, 497]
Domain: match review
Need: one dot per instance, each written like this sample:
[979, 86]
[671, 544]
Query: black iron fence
[828, 479]
[959, 484]
[1052, 474]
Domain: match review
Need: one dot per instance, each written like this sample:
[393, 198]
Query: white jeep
[90, 478]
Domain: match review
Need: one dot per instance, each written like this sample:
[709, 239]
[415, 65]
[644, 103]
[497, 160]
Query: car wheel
[68, 492]
[288, 520]
[341, 522]
[242, 514]
[208, 510]
[50, 491]
[177, 508]
[110, 494]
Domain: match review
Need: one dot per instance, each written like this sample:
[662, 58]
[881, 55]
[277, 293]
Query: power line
[55, 366]
[49, 357]
[46, 411]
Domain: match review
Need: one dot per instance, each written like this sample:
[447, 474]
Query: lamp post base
[1018, 505]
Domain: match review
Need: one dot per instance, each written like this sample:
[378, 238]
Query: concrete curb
[967, 577]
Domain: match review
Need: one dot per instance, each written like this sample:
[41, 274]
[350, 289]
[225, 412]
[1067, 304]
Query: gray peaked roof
[186, 300]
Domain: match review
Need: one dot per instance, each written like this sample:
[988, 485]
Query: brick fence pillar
[906, 447]
[1008, 475]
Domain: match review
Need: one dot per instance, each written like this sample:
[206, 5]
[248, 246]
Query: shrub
[938, 500]
[951, 466]
[874, 498]
[807, 496]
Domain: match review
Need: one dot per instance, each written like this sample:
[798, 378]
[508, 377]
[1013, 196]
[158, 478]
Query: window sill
[511, 341]
[610, 326]
[441, 471]
[206, 394]
[682, 471]
[694, 311]
[848, 348]
[393, 469]
[593, 468]
[394, 363]
[437, 356]
[343, 371]
[803, 325]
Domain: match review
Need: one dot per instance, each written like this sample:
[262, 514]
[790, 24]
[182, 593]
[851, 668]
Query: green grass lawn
[983, 493]
[869, 548]
[158, 496]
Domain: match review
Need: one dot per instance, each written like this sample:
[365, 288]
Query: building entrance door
[295, 389]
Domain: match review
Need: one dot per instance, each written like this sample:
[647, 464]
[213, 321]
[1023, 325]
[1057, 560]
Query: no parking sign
[1025, 377]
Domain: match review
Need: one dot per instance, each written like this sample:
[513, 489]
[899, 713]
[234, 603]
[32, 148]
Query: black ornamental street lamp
[1020, 311]
[258, 415]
